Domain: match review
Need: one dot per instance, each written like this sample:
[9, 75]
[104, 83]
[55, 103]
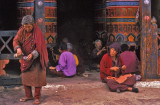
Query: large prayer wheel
[50, 21]
[120, 20]
[24, 7]
[99, 20]
[27, 7]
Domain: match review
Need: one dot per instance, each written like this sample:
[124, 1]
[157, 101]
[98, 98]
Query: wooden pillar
[40, 14]
[149, 53]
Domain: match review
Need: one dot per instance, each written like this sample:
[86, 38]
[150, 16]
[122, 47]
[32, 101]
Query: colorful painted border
[122, 3]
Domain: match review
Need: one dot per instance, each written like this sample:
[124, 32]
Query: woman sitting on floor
[112, 71]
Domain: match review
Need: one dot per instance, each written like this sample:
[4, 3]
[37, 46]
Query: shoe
[135, 90]
[118, 90]
[25, 99]
[36, 102]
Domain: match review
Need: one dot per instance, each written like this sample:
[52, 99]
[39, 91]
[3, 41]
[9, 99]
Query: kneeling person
[67, 65]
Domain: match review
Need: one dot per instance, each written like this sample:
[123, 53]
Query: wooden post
[148, 46]
[40, 14]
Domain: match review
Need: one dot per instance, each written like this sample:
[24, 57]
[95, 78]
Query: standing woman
[112, 71]
[30, 44]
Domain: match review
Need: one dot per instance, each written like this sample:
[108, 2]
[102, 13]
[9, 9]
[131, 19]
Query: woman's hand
[29, 57]
[114, 68]
[123, 67]
[51, 67]
[19, 52]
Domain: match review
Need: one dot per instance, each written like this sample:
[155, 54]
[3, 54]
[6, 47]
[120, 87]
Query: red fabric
[105, 65]
[41, 46]
[37, 93]
[28, 91]
[26, 49]
[25, 44]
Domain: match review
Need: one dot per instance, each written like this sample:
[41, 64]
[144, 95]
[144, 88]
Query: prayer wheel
[99, 20]
[24, 7]
[50, 21]
[27, 7]
[120, 20]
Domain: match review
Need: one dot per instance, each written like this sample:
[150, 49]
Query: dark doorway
[8, 21]
[8, 15]
[75, 20]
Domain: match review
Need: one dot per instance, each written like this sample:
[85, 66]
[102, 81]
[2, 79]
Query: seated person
[78, 59]
[112, 71]
[130, 59]
[97, 54]
[67, 65]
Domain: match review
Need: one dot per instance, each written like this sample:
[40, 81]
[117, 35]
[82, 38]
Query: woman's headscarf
[117, 47]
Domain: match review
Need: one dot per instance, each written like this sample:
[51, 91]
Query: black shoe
[135, 90]
[118, 90]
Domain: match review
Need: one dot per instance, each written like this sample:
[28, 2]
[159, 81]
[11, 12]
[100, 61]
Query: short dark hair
[132, 48]
[63, 46]
[124, 47]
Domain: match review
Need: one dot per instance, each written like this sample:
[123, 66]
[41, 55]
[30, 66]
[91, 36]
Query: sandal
[36, 101]
[25, 99]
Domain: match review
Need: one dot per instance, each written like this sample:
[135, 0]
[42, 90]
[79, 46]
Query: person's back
[130, 59]
[67, 61]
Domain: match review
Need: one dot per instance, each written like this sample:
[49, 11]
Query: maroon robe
[33, 71]
[34, 42]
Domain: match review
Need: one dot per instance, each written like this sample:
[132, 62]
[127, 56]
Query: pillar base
[2, 65]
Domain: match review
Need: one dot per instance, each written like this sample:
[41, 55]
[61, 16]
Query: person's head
[114, 49]
[65, 40]
[124, 47]
[62, 47]
[28, 22]
[69, 47]
[98, 44]
[132, 48]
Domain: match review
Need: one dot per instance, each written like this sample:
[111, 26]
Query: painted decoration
[99, 20]
[120, 20]
[50, 21]
[26, 7]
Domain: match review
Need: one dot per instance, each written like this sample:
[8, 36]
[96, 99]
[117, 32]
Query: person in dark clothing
[97, 54]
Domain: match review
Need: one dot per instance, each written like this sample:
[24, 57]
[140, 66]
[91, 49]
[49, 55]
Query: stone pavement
[83, 91]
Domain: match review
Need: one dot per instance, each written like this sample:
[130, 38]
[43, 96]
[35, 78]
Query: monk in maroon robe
[30, 45]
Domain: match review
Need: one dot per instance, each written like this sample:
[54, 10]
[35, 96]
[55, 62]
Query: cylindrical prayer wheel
[24, 7]
[27, 7]
[50, 21]
[99, 19]
[120, 20]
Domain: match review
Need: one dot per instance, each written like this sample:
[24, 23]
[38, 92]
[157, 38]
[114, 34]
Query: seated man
[112, 71]
[67, 65]
[130, 59]
[97, 54]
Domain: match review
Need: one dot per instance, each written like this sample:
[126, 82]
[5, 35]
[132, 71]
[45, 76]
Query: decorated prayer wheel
[24, 7]
[120, 20]
[50, 21]
[99, 21]
[32, 7]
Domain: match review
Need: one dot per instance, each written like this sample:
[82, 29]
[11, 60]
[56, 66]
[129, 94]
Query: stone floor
[81, 90]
